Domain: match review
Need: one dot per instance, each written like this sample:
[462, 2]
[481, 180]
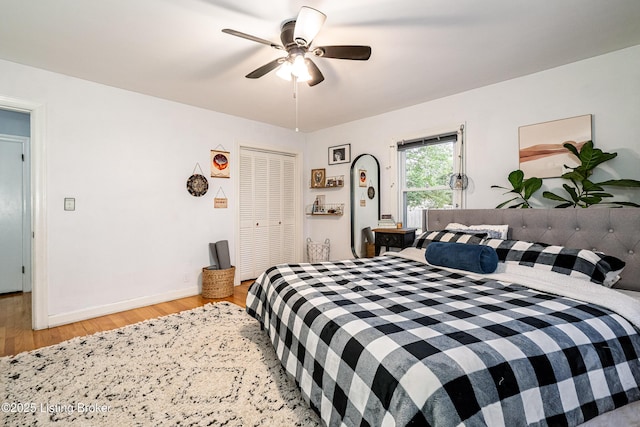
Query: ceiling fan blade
[286, 34]
[358, 53]
[308, 24]
[270, 66]
[252, 38]
[314, 71]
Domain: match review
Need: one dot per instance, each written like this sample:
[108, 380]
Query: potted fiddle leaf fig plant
[582, 192]
[524, 188]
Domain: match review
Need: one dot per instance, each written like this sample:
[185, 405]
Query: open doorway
[15, 205]
[34, 180]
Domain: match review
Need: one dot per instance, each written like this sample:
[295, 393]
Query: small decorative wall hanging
[197, 184]
[340, 154]
[371, 192]
[220, 163]
[220, 202]
[542, 153]
[317, 178]
[363, 178]
[363, 201]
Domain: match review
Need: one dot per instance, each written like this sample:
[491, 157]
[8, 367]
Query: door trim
[38, 169]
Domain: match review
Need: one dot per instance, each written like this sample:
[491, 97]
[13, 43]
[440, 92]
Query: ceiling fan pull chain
[295, 97]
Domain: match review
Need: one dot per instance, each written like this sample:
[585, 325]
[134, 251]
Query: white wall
[136, 233]
[607, 87]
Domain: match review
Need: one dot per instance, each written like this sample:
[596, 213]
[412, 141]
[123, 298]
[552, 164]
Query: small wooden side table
[394, 238]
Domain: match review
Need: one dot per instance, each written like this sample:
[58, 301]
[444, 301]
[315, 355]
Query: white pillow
[494, 231]
[548, 276]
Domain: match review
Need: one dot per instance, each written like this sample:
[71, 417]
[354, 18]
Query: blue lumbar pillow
[476, 258]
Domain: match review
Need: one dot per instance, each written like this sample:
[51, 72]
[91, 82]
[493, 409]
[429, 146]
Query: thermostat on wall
[69, 204]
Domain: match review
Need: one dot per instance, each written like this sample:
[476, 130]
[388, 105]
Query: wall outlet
[69, 204]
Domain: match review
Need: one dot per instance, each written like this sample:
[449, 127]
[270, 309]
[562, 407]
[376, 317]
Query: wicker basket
[371, 250]
[217, 283]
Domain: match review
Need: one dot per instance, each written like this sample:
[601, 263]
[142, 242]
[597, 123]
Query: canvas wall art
[220, 164]
[541, 145]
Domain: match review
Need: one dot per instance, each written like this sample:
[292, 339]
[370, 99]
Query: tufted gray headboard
[614, 231]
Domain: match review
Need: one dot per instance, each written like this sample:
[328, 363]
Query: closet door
[288, 213]
[275, 210]
[245, 265]
[261, 217]
[267, 211]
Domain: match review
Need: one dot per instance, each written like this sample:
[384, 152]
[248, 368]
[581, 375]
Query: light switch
[69, 204]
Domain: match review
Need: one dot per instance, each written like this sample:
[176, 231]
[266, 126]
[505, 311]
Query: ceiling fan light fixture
[299, 68]
[308, 24]
[304, 76]
[284, 71]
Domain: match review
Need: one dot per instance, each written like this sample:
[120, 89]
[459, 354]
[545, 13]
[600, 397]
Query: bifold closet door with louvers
[267, 211]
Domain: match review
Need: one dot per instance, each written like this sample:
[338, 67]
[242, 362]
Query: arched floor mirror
[365, 201]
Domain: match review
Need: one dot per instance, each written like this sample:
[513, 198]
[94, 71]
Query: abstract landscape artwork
[541, 145]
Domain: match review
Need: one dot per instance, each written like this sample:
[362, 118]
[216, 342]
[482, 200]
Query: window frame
[455, 136]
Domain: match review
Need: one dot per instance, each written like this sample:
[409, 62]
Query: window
[425, 167]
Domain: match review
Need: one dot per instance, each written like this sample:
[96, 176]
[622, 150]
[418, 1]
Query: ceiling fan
[296, 36]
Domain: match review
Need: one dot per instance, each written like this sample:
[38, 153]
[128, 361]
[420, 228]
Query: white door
[11, 209]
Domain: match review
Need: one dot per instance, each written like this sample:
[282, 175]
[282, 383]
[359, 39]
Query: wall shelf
[326, 209]
[332, 182]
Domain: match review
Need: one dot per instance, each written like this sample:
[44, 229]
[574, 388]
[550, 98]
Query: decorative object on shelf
[340, 154]
[459, 181]
[541, 145]
[220, 202]
[319, 207]
[220, 163]
[197, 184]
[387, 221]
[334, 181]
[363, 178]
[317, 178]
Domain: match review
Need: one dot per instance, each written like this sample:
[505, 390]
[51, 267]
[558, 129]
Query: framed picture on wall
[362, 181]
[542, 153]
[220, 164]
[340, 154]
[318, 178]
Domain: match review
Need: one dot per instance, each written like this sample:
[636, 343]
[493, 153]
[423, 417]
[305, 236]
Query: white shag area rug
[208, 366]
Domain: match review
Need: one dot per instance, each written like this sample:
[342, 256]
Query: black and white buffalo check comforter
[390, 341]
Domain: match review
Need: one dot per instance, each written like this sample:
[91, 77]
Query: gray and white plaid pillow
[580, 263]
[448, 236]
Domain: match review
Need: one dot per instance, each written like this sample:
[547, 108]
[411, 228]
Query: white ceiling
[422, 49]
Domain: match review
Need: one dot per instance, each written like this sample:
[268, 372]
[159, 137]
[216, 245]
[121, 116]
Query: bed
[393, 340]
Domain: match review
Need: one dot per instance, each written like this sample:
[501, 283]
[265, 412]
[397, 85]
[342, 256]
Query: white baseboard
[89, 313]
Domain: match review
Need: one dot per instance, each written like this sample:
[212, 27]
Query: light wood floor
[17, 336]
